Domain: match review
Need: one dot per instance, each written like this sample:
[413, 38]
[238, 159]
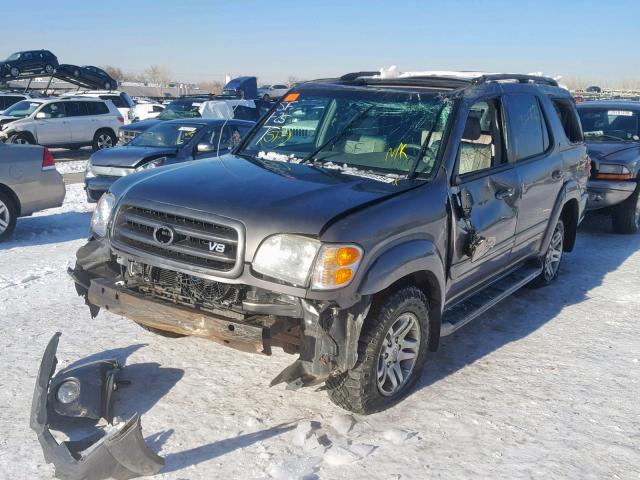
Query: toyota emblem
[163, 235]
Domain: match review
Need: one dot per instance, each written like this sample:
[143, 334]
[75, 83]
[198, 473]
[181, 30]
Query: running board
[462, 313]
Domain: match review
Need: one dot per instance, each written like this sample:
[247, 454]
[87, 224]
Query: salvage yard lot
[544, 385]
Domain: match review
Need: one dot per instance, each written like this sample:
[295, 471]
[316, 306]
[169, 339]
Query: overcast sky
[202, 40]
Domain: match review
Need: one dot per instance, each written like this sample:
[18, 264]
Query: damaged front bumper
[121, 454]
[324, 335]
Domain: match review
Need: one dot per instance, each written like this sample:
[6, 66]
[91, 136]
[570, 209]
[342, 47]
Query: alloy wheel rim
[398, 354]
[554, 255]
[15, 72]
[49, 69]
[20, 141]
[5, 217]
[104, 141]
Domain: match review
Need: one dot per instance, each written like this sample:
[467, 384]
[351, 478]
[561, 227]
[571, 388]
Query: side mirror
[205, 148]
[41, 115]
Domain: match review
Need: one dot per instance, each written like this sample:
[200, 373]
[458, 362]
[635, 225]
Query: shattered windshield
[166, 135]
[383, 131]
[181, 109]
[609, 124]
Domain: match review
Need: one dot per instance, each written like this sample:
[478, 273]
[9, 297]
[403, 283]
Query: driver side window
[481, 147]
[53, 110]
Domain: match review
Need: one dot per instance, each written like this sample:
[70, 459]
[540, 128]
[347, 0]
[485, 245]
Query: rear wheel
[15, 71]
[21, 139]
[103, 139]
[8, 216]
[626, 216]
[49, 69]
[107, 85]
[552, 257]
[266, 97]
[391, 354]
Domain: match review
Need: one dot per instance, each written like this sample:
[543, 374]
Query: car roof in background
[619, 104]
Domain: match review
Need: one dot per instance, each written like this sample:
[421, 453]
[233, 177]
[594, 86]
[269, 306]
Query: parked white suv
[121, 100]
[272, 92]
[8, 99]
[62, 122]
[145, 110]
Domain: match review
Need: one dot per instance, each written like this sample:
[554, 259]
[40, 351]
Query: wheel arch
[570, 216]
[12, 195]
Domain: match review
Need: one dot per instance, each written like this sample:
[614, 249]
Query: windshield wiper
[333, 140]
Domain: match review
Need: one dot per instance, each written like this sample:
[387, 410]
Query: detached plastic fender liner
[121, 454]
[569, 191]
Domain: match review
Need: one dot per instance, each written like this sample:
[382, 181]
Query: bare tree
[114, 72]
[214, 87]
[292, 80]
[158, 75]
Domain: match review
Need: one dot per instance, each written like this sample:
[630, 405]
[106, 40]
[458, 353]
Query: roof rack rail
[349, 77]
[518, 77]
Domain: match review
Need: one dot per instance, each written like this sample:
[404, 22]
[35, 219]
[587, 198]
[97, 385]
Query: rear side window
[117, 101]
[76, 109]
[97, 108]
[527, 131]
[568, 118]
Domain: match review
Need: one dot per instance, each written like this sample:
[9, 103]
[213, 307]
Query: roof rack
[497, 77]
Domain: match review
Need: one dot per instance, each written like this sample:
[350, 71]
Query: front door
[52, 127]
[485, 199]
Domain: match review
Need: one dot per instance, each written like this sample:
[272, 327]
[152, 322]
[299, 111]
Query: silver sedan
[29, 182]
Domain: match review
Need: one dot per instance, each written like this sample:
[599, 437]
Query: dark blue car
[166, 143]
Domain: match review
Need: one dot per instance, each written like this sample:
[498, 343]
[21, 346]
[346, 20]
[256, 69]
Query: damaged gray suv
[362, 219]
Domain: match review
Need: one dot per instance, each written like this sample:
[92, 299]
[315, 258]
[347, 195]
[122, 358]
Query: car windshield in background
[380, 131]
[22, 109]
[166, 135]
[609, 124]
[180, 109]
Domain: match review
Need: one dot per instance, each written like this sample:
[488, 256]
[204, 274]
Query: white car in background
[9, 98]
[272, 92]
[145, 110]
[62, 122]
[121, 100]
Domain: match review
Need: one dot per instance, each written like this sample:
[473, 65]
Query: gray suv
[361, 220]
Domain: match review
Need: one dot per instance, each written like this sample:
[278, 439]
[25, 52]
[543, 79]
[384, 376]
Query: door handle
[505, 193]
[556, 175]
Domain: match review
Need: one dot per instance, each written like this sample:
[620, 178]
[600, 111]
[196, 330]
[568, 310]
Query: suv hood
[141, 126]
[5, 119]
[270, 199]
[128, 156]
[626, 153]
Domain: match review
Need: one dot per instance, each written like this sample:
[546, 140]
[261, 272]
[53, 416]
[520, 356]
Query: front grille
[196, 242]
[187, 289]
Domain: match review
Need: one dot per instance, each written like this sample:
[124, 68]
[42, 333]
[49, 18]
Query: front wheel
[626, 216]
[391, 354]
[107, 85]
[49, 69]
[15, 71]
[21, 139]
[103, 139]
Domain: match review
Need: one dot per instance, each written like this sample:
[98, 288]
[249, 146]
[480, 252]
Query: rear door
[487, 185]
[79, 122]
[53, 127]
[540, 169]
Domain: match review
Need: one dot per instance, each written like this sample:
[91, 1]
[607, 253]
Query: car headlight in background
[88, 172]
[294, 259]
[102, 214]
[158, 162]
[607, 171]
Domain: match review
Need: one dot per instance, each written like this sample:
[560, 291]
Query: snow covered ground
[545, 385]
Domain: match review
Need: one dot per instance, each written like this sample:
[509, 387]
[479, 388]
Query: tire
[76, 73]
[103, 139]
[107, 85]
[15, 71]
[8, 216]
[21, 139]
[266, 97]
[552, 258]
[359, 390]
[625, 218]
[48, 69]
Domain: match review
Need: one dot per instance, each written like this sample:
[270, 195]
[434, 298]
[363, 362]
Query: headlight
[287, 257]
[158, 162]
[68, 391]
[102, 214]
[335, 266]
[613, 169]
[294, 259]
[88, 172]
